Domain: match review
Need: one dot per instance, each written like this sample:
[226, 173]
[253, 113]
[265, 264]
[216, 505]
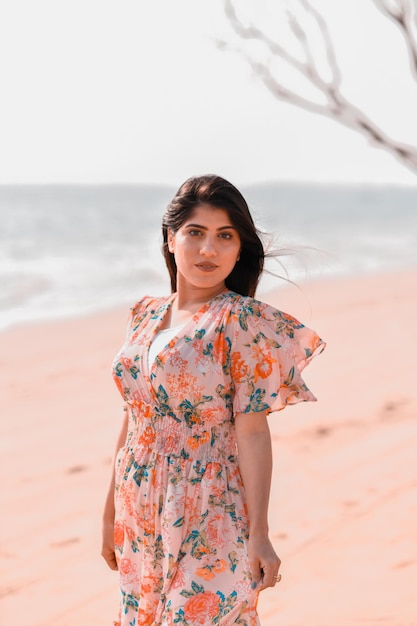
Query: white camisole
[161, 339]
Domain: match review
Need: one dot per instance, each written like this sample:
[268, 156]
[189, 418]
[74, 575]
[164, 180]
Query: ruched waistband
[152, 433]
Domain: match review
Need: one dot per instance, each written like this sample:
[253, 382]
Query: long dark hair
[220, 194]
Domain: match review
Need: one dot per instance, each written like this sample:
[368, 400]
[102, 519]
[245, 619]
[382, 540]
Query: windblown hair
[220, 194]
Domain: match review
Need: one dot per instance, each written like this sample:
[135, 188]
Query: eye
[226, 235]
[194, 232]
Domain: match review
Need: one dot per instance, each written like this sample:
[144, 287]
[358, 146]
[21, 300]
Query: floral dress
[181, 524]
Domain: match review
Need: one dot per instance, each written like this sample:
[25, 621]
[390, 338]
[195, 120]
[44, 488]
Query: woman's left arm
[255, 460]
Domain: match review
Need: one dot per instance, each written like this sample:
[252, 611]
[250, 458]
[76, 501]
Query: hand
[107, 548]
[264, 561]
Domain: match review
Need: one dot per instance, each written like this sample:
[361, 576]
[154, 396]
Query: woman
[199, 372]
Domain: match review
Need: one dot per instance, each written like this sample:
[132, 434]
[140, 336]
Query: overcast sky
[104, 91]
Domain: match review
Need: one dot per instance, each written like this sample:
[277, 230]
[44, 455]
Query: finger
[112, 563]
[256, 572]
[270, 568]
[276, 579]
[111, 560]
[267, 578]
[270, 577]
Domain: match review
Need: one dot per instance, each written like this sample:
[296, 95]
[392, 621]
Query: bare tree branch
[333, 105]
[330, 50]
[405, 16]
[251, 32]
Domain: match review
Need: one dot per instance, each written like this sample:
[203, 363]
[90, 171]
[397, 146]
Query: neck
[191, 298]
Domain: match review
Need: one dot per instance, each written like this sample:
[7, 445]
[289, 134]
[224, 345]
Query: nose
[208, 249]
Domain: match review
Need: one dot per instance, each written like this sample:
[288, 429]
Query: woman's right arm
[107, 549]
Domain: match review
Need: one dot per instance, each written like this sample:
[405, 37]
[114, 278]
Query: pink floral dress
[181, 524]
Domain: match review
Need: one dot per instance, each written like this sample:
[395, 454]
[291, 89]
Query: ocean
[73, 250]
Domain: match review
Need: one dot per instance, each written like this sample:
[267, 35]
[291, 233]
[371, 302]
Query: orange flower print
[130, 534]
[125, 566]
[315, 343]
[208, 572]
[201, 606]
[263, 369]
[149, 527]
[215, 531]
[119, 385]
[220, 566]
[203, 309]
[170, 444]
[127, 363]
[145, 618]
[147, 437]
[143, 409]
[220, 348]
[213, 469]
[179, 578]
[119, 534]
[209, 415]
[239, 367]
[205, 572]
[197, 440]
[199, 550]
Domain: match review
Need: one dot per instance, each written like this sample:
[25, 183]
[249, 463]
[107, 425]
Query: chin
[208, 283]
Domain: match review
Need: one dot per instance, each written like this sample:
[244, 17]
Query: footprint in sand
[403, 564]
[77, 469]
[65, 542]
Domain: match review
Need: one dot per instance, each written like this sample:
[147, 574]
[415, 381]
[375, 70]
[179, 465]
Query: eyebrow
[205, 227]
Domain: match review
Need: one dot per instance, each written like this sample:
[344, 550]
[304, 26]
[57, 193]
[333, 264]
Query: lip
[206, 267]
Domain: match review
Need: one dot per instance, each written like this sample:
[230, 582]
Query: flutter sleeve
[269, 351]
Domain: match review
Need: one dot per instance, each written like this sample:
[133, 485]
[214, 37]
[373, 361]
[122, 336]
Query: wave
[71, 250]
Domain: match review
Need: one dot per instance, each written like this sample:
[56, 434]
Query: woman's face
[206, 248]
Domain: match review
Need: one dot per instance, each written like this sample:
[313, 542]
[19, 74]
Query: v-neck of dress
[162, 312]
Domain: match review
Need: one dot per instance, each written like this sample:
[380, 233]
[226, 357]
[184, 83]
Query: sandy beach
[344, 494]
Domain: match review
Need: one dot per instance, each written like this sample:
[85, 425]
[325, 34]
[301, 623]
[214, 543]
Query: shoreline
[343, 497]
[294, 292]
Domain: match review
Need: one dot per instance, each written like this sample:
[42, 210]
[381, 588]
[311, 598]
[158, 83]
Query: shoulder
[146, 307]
[249, 312]
[145, 303]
